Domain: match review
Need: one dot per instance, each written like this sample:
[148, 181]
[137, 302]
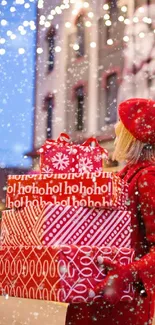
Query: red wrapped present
[64, 273]
[99, 189]
[62, 157]
[60, 225]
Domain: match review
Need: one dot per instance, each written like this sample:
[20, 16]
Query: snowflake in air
[85, 165]
[60, 161]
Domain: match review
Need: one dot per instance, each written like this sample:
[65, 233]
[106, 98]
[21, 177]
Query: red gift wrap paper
[60, 157]
[100, 190]
[59, 225]
[64, 273]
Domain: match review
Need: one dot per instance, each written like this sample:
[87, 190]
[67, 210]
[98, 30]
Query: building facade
[87, 56]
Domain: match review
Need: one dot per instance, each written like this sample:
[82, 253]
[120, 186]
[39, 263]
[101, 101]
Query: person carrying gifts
[135, 145]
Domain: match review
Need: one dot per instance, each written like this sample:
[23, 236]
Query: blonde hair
[129, 149]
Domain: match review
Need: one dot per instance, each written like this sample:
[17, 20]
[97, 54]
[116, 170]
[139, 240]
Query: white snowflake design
[46, 170]
[98, 157]
[71, 150]
[87, 148]
[60, 161]
[98, 169]
[85, 165]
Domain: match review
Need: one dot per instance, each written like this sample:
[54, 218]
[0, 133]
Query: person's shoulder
[146, 179]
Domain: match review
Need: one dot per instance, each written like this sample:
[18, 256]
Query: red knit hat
[138, 116]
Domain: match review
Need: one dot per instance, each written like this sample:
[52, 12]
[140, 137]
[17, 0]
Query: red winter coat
[141, 179]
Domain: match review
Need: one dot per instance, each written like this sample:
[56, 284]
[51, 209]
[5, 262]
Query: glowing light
[67, 24]
[9, 33]
[23, 32]
[106, 6]
[2, 51]
[58, 10]
[47, 24]
[12, 9]
[21, 51]
[50, 17]
[40, 5]
[93, 45]
[124, 9]
[25, 23]
[141, 34]
[13, 36]
[141, 9]
[57, 49]
[88, 24]
[32, 27]
[41, 22]
[74, 12]
[3, 22]
[20, 2]
[39, 50]
[121, 18]
[127, 21]
[53, 12]
[4, 3]
[106, 16]
[108, 23]
[90, 14]
[27, 5]
[110, 41]
[145, 19]
[20, 28]
[135, 19]
[78, 5]
[76, 47]
[86, 5]
[149, 21]
[126, 38]
[2, 40]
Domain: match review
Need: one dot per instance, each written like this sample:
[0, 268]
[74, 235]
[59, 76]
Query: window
[51, 49]
[111, 98]
[49, 104]
[112, 13]
[101, 26]
[80, 107]
[80, 36]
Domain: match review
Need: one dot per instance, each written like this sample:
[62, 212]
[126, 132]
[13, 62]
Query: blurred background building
[90, 56]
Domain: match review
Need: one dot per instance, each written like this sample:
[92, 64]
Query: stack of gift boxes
[62, 224]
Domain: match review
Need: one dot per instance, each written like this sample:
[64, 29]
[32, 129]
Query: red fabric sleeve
[146, 265]
[146, 189]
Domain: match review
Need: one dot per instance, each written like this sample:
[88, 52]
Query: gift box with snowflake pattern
[60, 157]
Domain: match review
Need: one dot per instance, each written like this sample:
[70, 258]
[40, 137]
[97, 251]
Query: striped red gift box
[57, 225]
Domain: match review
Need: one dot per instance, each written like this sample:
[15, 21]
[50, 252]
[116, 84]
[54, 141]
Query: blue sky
[17, 80]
